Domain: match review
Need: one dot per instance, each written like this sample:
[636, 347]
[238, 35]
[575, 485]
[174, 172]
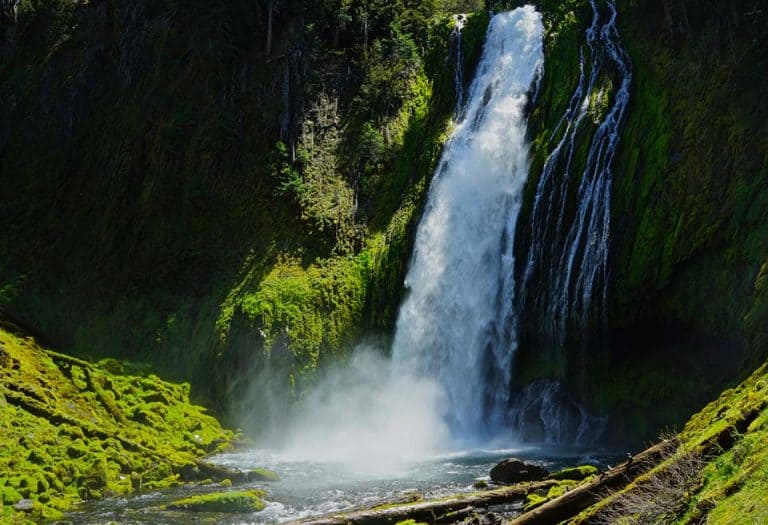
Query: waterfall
[455, 324]
[457, 51]
[564, 281]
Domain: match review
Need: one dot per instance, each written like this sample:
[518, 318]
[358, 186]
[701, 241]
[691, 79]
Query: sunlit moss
[74, 431]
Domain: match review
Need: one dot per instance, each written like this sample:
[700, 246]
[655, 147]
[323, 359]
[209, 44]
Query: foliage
[714, 471]
[286, 174]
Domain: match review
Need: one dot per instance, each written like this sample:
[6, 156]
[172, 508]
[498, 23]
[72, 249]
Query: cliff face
[686, 308]
[219, 189]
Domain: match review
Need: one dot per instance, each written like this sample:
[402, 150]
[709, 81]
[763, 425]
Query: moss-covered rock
[574, 473]
[243, 501]
[262, 474]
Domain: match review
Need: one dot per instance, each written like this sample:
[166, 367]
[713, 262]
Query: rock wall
[686, 311]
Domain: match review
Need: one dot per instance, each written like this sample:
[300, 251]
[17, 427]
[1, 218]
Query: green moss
[245, 501]
[565, 484]
[730, 436]
[74, 431]
[690, 169]
[10, 495]
[262, 474]
[575, 473]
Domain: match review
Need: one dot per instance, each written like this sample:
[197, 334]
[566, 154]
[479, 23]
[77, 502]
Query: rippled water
[310, 488]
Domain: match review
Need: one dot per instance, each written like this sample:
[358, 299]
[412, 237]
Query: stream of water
[309, 488]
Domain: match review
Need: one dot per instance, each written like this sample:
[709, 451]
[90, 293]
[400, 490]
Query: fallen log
[431, 511]
[715, 445]
[587, 494]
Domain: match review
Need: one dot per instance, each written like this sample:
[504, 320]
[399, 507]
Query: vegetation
[74, 430]
[574, 473]
[713, 472]
[230, 190]
[688, 230]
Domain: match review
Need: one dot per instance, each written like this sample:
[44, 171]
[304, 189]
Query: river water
[311, 488]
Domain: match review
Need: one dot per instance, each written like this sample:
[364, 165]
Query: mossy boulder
[575, 473]
[10, 496]
[242, 501]
[262, 474]
[513, 470]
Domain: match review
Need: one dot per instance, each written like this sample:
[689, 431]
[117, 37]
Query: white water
[453, 325]
[457, 50]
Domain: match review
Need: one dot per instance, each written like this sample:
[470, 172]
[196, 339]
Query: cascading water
[454, 325]
[457, 51]
[565, 275]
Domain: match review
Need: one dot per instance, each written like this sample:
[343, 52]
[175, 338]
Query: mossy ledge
[73, 430]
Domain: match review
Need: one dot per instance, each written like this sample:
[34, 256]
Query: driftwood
[587, 494]
[444, 510]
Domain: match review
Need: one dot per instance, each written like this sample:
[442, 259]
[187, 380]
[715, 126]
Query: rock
[575, 473]
[244, 501]
[513, 470]
[24, 505]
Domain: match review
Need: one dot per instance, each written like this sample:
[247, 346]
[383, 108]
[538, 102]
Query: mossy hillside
[73, 430]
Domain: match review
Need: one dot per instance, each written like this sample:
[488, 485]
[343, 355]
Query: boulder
[24, 505]
[513, 470]
[242, 501]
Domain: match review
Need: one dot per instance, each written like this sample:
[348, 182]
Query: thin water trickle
[565, 278]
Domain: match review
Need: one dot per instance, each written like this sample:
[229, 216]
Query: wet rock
[24, 505]
[513, 470]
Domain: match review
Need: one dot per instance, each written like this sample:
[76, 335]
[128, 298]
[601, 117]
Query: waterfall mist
[368, 417]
